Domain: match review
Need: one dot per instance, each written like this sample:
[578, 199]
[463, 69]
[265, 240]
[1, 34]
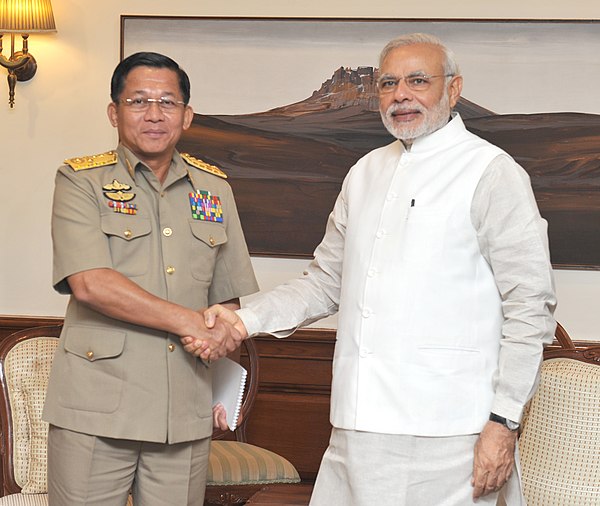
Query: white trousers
[370, 469]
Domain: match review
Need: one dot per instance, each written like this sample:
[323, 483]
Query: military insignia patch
[206, 207]
[122, 207]
[93, 161]
[118, 192]
[202, 165]
[116, 186]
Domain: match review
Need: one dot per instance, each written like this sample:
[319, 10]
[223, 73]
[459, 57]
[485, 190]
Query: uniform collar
[132, 163]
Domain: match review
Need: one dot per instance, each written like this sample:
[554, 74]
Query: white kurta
[437, 259]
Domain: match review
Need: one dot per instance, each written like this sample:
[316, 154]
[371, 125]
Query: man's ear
[454, 90]
[188, 116]
[113, 117]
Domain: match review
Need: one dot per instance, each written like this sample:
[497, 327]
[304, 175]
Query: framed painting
[285, 106]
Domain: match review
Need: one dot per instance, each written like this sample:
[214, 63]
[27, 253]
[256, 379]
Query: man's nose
[154, 112]
[402, 91]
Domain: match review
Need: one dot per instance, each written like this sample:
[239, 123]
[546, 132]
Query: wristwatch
[509, 424]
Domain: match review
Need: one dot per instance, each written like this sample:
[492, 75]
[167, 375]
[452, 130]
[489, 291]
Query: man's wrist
[509, 424]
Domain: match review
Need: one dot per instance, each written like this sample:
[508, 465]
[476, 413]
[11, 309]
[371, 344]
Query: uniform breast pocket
[129, 239]
[207, 238]
[423, 234]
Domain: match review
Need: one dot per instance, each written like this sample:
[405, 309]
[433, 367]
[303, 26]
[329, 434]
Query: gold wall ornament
[22, 17]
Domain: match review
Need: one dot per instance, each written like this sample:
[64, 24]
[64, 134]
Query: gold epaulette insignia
[206, 167]
[91, 162]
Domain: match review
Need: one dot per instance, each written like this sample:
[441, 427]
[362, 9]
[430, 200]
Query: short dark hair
[147, 59]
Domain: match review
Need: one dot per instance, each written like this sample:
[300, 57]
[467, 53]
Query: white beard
[433, 119]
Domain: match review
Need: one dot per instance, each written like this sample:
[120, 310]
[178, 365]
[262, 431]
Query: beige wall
[61, 113]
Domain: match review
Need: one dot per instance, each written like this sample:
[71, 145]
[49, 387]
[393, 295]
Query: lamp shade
[26, 16]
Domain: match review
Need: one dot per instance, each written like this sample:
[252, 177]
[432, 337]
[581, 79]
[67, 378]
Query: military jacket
[181, 241]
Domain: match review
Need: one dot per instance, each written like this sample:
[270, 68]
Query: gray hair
[450, 65]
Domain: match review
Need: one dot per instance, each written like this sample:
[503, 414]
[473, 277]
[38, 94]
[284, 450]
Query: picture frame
[277, 109]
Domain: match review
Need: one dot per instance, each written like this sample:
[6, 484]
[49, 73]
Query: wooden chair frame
[9, 485]
[565, 350]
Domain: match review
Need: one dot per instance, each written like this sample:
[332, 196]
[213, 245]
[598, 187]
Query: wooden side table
[292, 494]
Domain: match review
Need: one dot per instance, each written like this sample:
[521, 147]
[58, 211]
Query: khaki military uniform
[181, 241]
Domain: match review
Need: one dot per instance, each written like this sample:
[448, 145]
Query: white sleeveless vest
[420, 316]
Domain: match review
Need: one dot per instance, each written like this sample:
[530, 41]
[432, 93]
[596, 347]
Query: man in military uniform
[144, 237]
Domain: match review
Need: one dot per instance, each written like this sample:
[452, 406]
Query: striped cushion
[24, 500]
[33, 500]
[235, 463]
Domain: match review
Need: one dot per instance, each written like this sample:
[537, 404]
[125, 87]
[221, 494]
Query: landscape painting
[286, 106]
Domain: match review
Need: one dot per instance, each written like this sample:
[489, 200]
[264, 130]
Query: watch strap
[509, 424]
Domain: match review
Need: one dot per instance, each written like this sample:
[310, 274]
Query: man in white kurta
[436, 258]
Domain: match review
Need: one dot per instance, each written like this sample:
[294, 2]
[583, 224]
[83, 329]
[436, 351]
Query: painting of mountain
[286, 165]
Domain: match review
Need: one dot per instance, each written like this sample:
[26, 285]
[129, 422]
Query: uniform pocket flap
[209, 233]
[125, 226]
[94, 343]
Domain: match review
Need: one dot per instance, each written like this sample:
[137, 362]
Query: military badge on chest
[119, 197]
[206, 207]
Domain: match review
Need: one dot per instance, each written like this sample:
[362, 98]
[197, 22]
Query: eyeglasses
[143, 104]
[419, 82]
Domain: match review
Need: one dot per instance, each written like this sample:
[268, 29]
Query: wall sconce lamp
[22, 17]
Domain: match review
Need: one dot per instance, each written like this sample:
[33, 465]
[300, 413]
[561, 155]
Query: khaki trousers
[369, 469]
[86, 470]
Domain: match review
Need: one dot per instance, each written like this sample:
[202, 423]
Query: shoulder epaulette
[202, 165]
[93, 161]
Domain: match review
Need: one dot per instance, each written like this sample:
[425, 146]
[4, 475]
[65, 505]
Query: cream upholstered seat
[560, 441]
[25, 362]
[235, 467]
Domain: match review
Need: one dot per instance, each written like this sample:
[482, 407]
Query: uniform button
[366, 313]
[90, 355]
[127, 233]
[170, 269]
[371, 273]
[167, 232]
[363, 352]
[391, 196]
[171, 347]
[211, 240]
[380, 234]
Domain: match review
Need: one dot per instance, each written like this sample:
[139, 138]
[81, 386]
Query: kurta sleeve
[513, 239]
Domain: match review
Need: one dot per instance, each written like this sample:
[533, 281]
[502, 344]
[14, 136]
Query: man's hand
[221, 340]
[220, 417]
[219, 312]
[494, 459]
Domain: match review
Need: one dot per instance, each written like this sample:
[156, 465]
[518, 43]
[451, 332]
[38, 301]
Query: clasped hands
[224, 333]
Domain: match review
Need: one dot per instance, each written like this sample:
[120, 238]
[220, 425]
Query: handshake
[217, 332]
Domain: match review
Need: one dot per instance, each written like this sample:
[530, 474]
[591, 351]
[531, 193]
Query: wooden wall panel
[291, 414]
